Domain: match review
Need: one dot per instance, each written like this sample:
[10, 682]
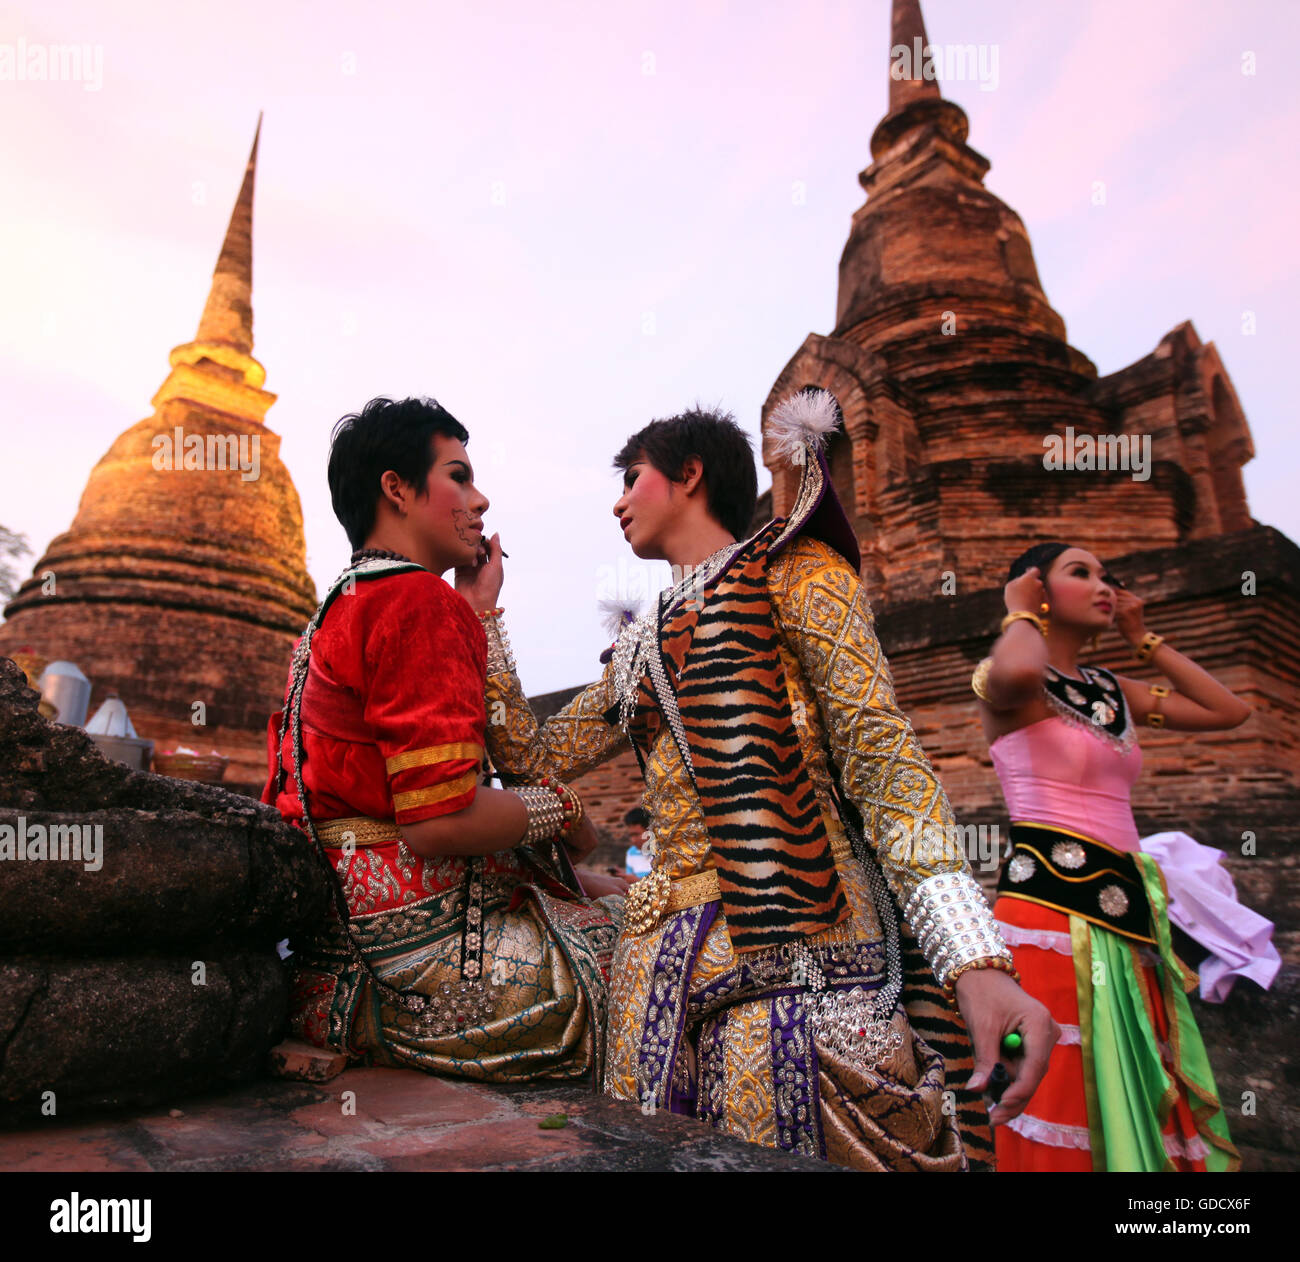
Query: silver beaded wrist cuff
[500, 660]
[545, 815]
[953, 923]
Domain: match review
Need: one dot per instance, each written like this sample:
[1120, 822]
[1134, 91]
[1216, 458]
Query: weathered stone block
[166, 879]
[78, 1034]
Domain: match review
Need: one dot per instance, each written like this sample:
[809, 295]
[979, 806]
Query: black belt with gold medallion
[1077, 876]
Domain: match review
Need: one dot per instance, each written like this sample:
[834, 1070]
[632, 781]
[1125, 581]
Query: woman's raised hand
[480, 583]
[1026, 593]
[1129, 619]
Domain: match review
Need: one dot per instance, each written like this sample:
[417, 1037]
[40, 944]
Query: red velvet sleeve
[425, 662]
[272, 731]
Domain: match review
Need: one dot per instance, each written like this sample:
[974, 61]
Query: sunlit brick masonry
[183, 578]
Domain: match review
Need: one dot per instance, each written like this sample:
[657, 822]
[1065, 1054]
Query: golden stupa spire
[228, 314]
[218, 367]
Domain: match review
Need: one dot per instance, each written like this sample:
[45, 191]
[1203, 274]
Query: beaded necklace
[636, 652]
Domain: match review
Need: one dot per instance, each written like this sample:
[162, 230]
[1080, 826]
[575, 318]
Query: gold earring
[1044, 609]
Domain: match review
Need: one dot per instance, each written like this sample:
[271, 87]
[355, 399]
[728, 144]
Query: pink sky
[497, 205]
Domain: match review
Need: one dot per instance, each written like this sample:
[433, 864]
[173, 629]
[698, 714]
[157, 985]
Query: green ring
[1012, 1042]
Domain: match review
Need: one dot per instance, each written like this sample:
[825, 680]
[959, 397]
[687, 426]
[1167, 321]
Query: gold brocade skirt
[538, 1011]
[687, 1031]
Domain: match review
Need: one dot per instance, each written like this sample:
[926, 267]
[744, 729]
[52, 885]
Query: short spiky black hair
[723, 448]
[383, 435]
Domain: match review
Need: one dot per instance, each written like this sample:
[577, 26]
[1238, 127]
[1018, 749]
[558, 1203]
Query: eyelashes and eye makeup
[1081, 569]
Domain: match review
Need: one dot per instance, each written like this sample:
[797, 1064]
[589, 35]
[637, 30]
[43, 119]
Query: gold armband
[990, 961]
[980, 679]
[1155, 718]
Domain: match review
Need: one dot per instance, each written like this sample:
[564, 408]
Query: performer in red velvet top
[461, 942]
[393, 714]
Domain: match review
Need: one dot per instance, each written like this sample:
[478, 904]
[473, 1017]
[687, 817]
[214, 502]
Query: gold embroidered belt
[357, 830]
[655, 896]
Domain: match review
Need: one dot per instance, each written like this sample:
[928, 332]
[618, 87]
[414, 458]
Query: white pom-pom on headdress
[617, 614]
[804, 419]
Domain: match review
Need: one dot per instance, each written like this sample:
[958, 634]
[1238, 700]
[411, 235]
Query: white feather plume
[804, 419]
[616, 614]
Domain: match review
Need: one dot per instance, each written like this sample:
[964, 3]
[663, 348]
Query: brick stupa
[950, 368]
[181, 588]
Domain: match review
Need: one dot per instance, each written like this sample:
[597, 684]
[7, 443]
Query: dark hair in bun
[1041, 555]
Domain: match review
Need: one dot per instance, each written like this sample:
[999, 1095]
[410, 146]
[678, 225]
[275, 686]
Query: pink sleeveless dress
[1056, 772]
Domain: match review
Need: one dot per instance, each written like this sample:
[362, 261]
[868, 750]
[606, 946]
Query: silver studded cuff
[953, 923]
[545, 814]
[500, 660]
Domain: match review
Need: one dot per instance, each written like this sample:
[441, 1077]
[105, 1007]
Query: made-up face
[646, 509]
[1081, 590]
[449, 515]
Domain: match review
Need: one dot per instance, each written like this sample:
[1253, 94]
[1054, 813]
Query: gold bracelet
[1028, 617]
[1155, 718]
[1150, 642]
[987, 961]
[491, 613]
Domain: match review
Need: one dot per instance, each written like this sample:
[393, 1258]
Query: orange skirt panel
[1052, 1133]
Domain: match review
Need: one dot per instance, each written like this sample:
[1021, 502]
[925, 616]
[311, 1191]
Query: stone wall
[142, 965]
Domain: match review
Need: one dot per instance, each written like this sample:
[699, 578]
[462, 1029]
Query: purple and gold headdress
[800, 429]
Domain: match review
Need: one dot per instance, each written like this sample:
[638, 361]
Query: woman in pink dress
[1129, 1086]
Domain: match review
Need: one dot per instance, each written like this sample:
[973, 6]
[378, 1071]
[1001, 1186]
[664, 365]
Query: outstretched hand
[480, 583]
[993, 1005]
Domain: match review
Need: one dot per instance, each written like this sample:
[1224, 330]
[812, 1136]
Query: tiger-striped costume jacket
[711, 1027]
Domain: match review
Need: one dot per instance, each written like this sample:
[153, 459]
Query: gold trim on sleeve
[436, 793]
[431, 755]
